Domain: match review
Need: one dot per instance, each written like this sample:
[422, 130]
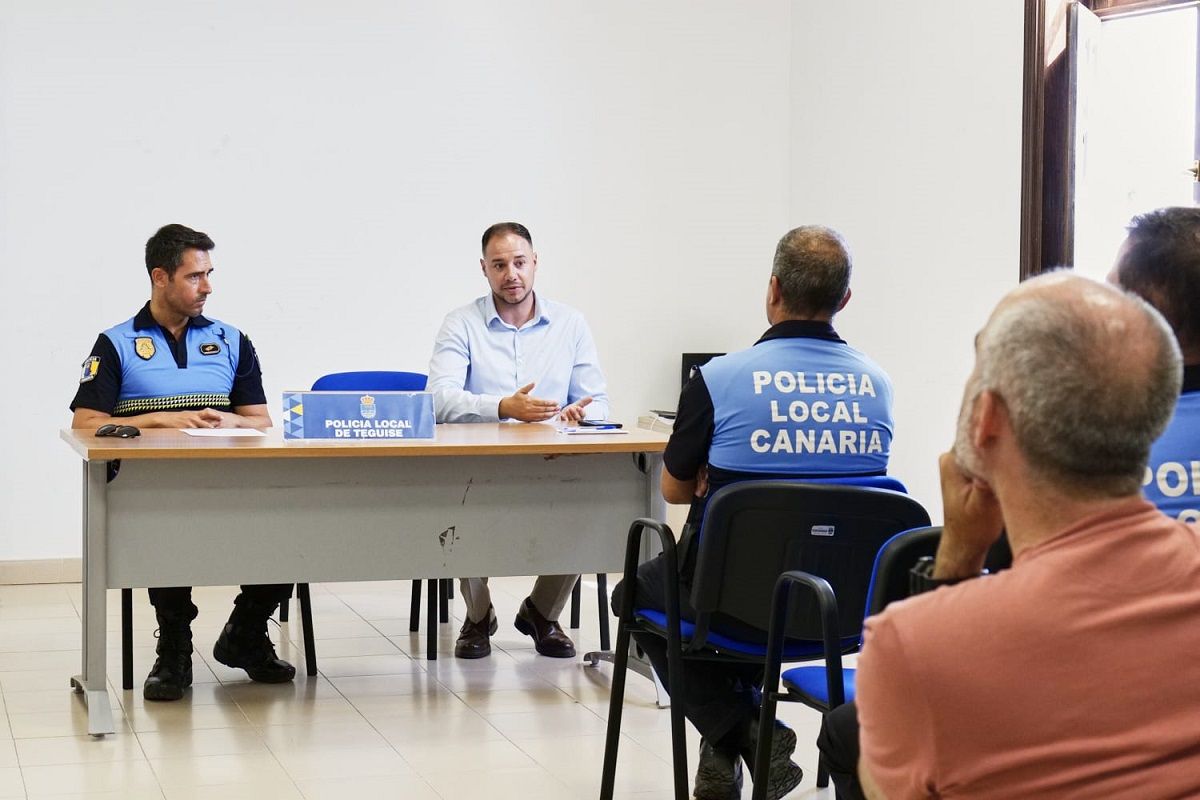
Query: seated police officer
[171, 367]
[799, 403]
[1160, 262]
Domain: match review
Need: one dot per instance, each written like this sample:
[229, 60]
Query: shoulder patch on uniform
[144, 347]
[210, 349]
[90, 368]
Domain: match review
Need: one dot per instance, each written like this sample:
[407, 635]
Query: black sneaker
[718, 774]
[249, 648]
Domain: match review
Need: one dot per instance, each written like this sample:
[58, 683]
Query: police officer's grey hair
[1089, 381]
[813, 266]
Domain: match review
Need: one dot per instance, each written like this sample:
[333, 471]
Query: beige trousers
[550, 594]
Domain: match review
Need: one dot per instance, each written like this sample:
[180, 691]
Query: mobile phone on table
[598, 423]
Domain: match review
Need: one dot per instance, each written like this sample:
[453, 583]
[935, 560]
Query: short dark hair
[813, 267]
[501, 228]
[1161, 264]
[165, 248]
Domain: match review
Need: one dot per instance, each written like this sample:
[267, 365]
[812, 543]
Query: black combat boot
[172, 671]
[244, 644]
[785, 775]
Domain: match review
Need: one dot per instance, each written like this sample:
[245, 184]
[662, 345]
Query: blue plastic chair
[376, 381]
[826, 686]
[371, 381]
[752, 532]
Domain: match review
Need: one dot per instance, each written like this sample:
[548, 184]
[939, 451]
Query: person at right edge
[799, 403]
[1076, 673]
[1160, 262]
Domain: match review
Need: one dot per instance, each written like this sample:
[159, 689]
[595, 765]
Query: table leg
[93, 681]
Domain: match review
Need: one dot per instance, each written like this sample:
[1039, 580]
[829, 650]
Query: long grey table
[477, 500]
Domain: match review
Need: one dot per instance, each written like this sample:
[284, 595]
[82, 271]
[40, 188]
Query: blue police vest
[1172, 480]
[152, 381]
[799, 406]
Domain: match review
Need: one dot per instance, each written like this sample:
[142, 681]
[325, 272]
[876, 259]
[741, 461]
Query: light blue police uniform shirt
[1172, 479]
[479, 359]
[799, 405]
[151, 380]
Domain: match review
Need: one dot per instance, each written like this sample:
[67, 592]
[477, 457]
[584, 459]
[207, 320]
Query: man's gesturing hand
[527, 408]
[575, 411]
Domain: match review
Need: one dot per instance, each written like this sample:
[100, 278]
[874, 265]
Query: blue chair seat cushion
[810, 682]
[792, 651]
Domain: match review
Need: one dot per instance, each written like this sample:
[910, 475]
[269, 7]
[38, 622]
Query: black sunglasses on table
[120, 431]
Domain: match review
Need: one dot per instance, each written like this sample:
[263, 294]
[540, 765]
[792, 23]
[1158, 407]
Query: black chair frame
[828, 610]
[890, 582]
[626, 624]
[721, 593]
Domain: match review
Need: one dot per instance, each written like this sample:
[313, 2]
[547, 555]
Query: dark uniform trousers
[177, 600]
[719, 697]
[838, 743]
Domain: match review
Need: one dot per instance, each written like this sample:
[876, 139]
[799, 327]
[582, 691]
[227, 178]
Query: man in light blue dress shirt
[513, 355]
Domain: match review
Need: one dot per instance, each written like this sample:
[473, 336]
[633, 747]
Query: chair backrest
[889, 579]
[873, 481]
[755, 530]
[371, 381]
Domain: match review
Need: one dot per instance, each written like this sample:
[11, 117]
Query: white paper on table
[222, 432]
[592, 431]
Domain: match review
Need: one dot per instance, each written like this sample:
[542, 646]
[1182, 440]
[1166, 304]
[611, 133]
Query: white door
[1134, 124]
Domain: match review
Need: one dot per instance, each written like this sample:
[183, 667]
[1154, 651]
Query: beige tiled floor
[378, 722]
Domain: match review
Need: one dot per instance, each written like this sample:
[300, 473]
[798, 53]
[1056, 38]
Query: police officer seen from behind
[171, 367]
[1160, 262]
[799, 403]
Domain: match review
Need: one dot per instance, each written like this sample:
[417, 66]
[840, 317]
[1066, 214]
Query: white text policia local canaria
[1174, 479]
[818, 411]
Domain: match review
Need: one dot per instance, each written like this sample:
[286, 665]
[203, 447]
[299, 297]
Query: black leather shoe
[473, 637]
[249, 648]
[548, 636]
[718, 774]
[172, 671]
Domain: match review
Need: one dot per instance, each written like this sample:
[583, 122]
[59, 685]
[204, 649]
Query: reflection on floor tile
[378, 721]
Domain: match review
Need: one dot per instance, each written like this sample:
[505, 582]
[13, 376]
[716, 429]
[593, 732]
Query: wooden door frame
[1046, 95]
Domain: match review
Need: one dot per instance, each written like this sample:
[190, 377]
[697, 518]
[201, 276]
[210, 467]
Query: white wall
[906, 137]
[346, 164]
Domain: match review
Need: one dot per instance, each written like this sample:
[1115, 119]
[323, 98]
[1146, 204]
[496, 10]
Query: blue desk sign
[367, 416]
